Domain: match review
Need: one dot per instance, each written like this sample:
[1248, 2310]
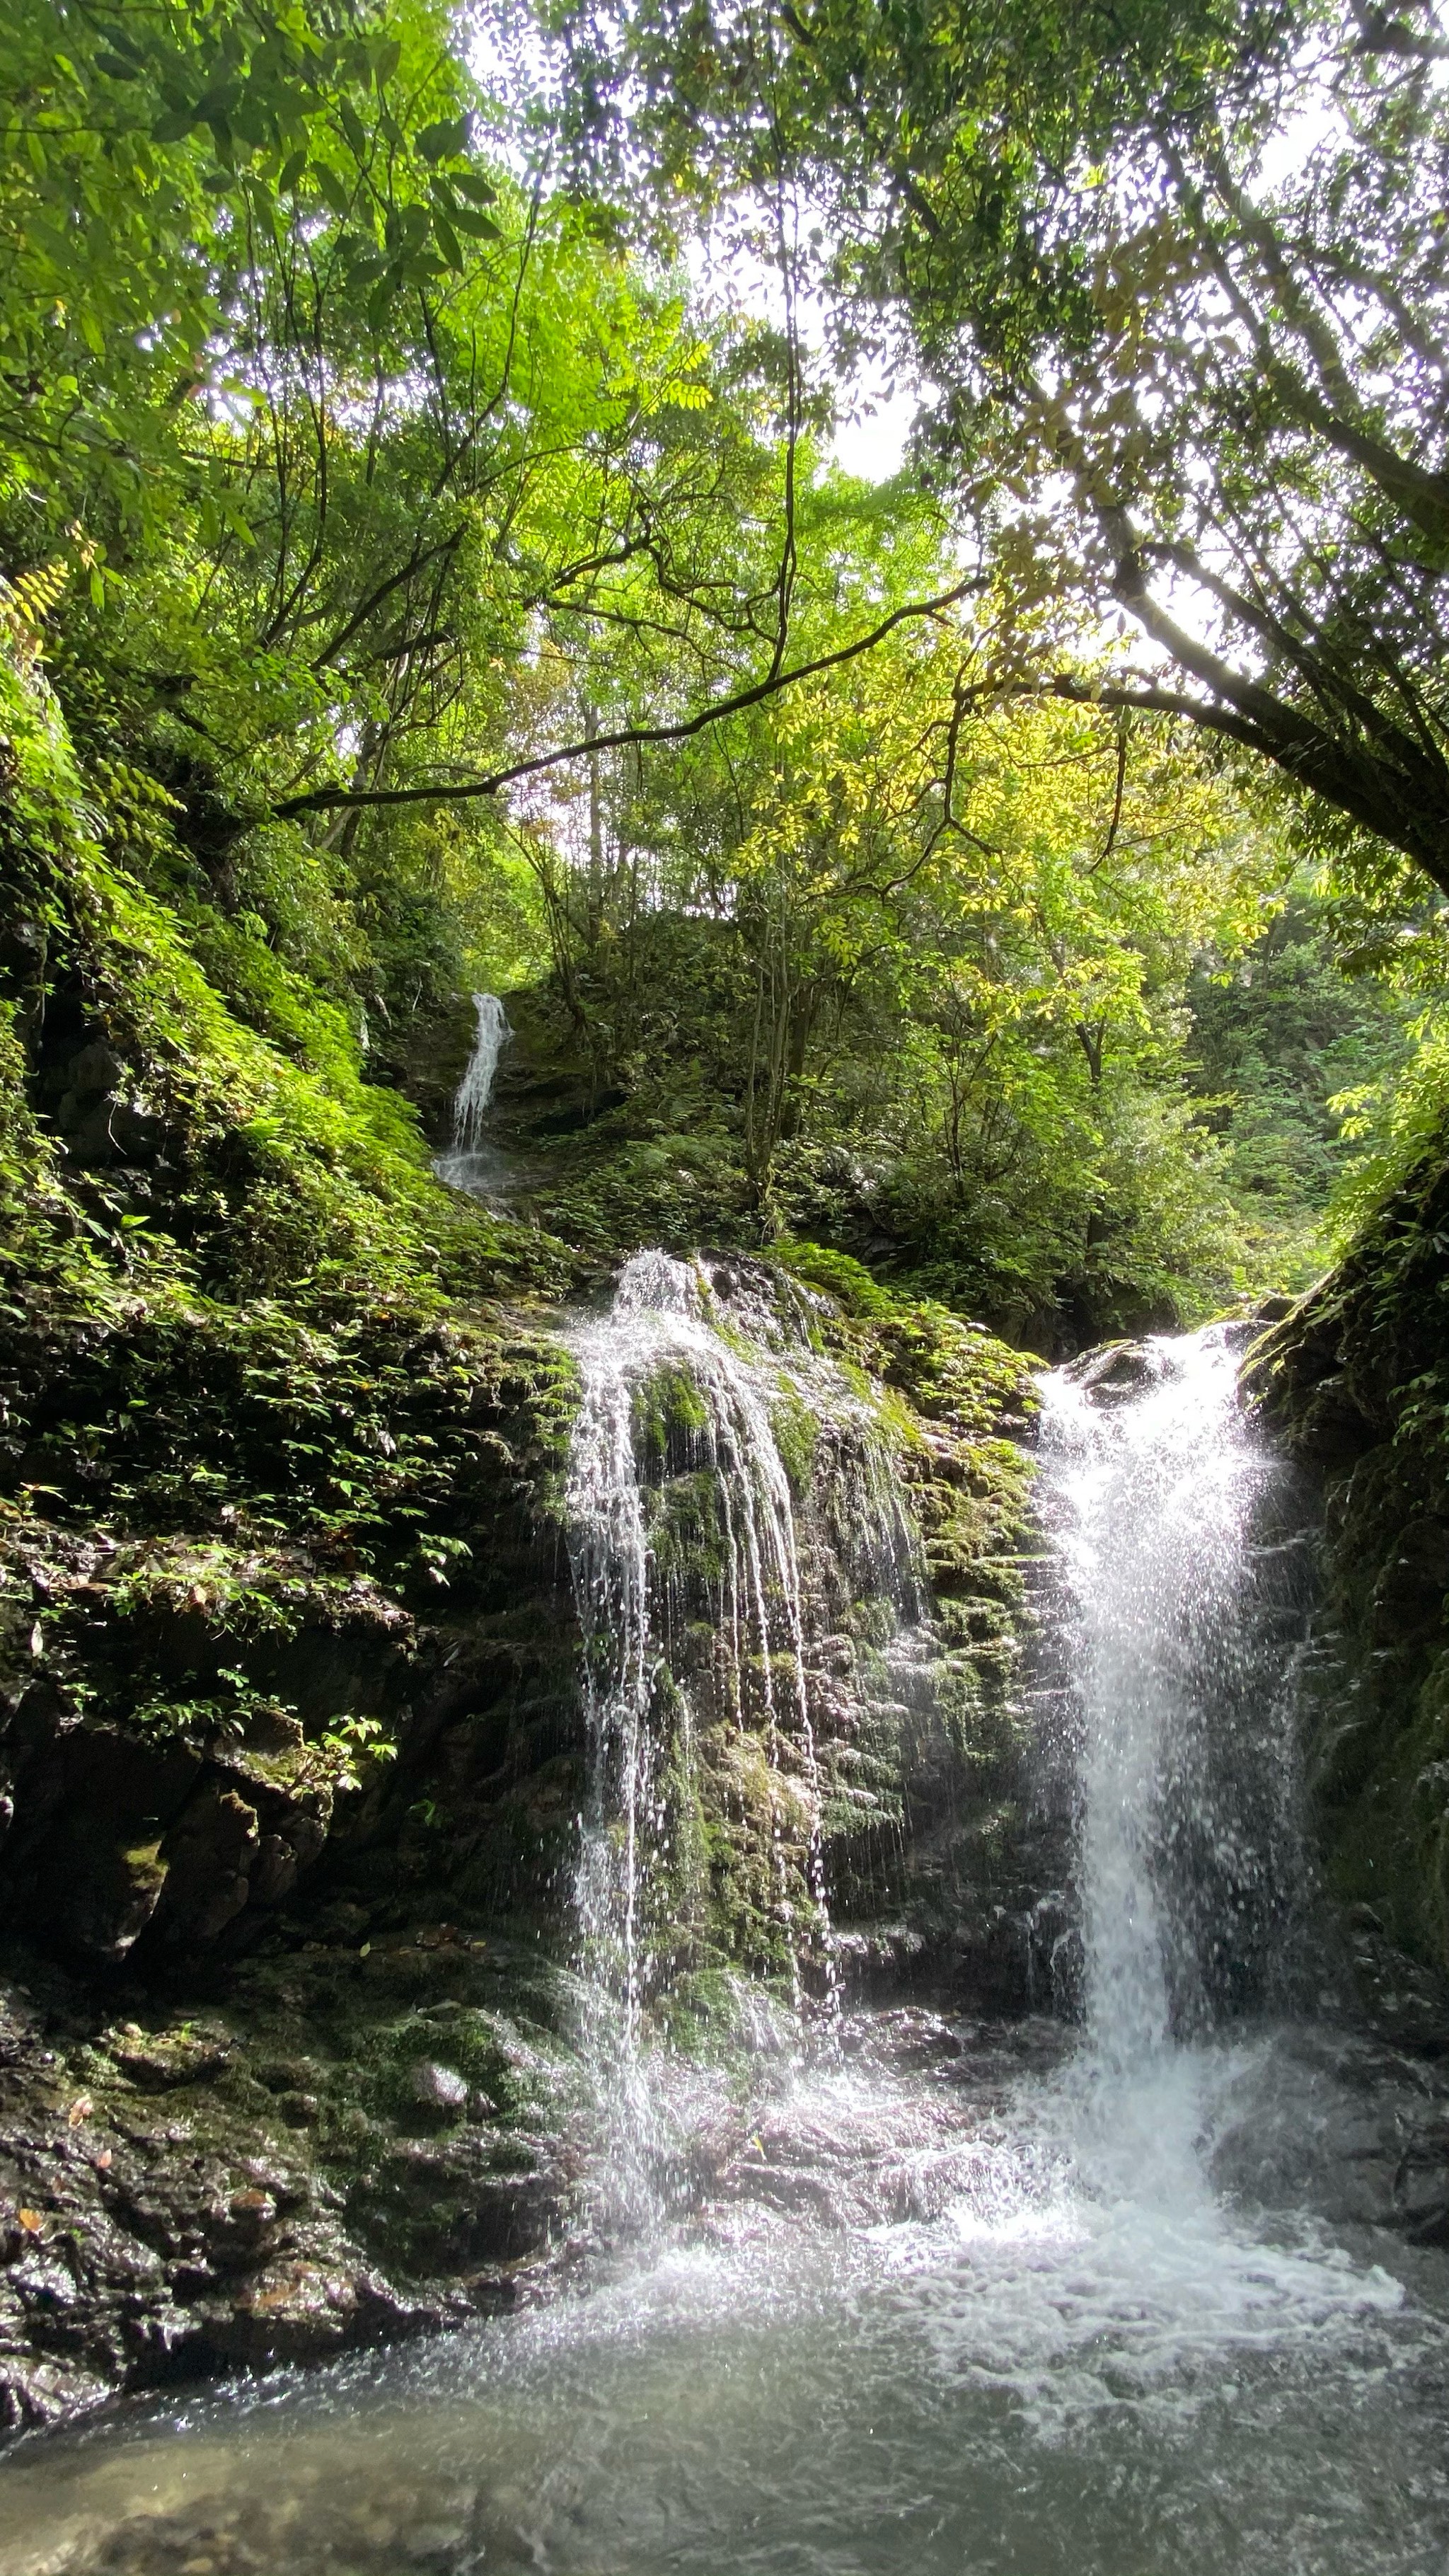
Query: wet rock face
[134, 2248]
[174, 2202]
[441, 2086]
[1118, 1369]
[118, 1838]
[1357, 2129]
[329, 2091]
[1354, 1381]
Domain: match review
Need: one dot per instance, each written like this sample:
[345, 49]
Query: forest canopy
[428, 564]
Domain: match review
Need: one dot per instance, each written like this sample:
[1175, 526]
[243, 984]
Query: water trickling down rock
[682, 1519]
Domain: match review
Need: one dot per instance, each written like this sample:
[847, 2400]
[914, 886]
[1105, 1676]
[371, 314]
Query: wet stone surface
[230, 2189]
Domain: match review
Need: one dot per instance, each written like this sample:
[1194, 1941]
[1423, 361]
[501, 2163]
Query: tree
[873, 964]
[1179, 275]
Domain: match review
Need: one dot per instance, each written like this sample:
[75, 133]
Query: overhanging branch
[323, 800]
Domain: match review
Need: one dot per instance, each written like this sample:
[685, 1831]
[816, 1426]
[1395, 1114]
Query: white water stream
[958, 2300]
[669, 1356]
[471, 1162]
[1151, 1492]
[476, 1088]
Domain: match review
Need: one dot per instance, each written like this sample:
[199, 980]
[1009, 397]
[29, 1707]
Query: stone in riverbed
[441, 2086]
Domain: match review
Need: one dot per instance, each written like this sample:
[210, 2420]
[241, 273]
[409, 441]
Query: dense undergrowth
[256, 1362]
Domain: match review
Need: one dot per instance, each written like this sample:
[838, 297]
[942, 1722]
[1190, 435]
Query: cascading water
[471, 1163]
[668, 1347]
[476, 1088]
[956, 2301]
[1174, 1623]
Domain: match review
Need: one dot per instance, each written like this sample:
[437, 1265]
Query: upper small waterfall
[1172, 1628]
[476, 1088]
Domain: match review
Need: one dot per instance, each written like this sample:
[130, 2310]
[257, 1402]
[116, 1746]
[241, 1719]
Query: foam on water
[975, 2347]
[1098, 2269]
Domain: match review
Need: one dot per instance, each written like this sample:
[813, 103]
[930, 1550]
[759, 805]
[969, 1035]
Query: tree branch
[325, 799]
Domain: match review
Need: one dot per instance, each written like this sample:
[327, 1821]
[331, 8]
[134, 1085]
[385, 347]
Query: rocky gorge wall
[1354, 1381]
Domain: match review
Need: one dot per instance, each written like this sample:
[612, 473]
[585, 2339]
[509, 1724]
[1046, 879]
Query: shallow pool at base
[1064, 2354]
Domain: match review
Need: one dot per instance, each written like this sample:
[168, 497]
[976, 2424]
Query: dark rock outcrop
[174, 2203]
[1354, 1380]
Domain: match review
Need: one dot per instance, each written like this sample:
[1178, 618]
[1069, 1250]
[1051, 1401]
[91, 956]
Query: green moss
[846, 1280]
[1355, 1380]
[669, 1412]
[797, 1437]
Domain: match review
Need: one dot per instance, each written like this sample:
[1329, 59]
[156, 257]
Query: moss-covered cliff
[1355, 1380]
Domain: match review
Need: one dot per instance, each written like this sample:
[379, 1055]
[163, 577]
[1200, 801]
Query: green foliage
[1284, 1044]
[240, 1151]
[340, 464]
[848, 1281]
[914, 989]
[1175, 275]
[1397, 1122]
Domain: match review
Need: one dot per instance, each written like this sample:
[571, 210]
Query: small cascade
[476, 1088]
[686, 1549]
[1176, 1627]
[474, 1163]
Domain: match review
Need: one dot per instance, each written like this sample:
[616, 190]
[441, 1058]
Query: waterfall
[679, 1500]
[1176, 1628]
[476, 1088]
[949, 2294]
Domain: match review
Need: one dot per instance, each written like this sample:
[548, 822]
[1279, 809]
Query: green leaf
[123, 42]
[329, 187]
[174, 125]
[448, 136]
[446, 239]
[292, 171]
[353, 128]
[471, 183]
[406, 228]
[482, 227]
